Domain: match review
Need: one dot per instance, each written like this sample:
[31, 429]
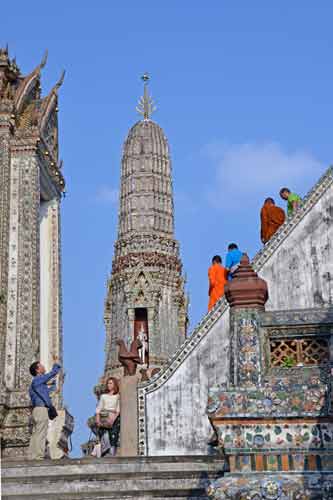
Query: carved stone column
[5, 125]
[152, 329]
[247, 295]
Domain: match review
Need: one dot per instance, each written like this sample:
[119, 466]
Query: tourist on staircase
[217, 277]
[232, 260]
[272, 217]
[108, 418]
[293, 200]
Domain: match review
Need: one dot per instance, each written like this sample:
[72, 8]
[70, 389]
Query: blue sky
[244, 95]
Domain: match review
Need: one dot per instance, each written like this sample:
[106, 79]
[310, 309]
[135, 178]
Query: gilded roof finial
[146, 105]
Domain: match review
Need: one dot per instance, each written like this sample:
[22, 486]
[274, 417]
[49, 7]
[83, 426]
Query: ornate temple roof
[32, 118]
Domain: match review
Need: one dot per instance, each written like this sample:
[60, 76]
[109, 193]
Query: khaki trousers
[40, 422]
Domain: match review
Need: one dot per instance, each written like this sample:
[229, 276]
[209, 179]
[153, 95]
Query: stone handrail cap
[246, 289]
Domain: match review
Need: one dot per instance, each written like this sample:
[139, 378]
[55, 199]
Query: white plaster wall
[45, 282]
[50, 307]
[175, 411]
[298, 275]
[300, 272]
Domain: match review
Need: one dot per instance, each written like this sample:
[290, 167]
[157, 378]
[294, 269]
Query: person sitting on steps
[108, 418]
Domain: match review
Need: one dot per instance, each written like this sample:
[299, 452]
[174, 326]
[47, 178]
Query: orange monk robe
[217, 276]
[272, 217]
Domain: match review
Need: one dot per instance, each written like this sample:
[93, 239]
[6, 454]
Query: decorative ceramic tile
[272, 486]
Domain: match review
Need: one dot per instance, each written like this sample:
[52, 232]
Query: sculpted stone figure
[143, 338]
[129, 359]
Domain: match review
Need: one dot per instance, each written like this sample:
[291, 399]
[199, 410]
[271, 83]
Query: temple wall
[175, 422]
[298, 267]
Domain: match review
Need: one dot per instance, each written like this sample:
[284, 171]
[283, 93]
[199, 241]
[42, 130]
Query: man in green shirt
[293, 200]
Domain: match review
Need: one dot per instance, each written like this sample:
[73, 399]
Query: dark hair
[33, 368]
[217, 258]
[282, 190]
[270, 199]
[115, 383]
[232, 246]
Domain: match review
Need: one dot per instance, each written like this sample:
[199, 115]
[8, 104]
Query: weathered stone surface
[129, 417]
[113, 478]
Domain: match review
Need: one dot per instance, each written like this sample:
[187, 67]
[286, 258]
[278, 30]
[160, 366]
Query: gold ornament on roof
[146, 106]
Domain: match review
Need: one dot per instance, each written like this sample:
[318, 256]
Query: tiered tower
[31, 185]
[145, 292]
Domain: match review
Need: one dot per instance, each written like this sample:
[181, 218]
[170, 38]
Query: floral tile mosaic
[278, 437]
[272, 487]
[276, 397]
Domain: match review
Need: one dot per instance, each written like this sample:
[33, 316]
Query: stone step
[110, 478]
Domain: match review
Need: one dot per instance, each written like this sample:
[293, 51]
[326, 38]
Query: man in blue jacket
[39, 393]
[232, 260]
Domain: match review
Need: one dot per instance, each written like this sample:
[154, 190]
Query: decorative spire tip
[44, 60]
[60, 81]
[146, 106]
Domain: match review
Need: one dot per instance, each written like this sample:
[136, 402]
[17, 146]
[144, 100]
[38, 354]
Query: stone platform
[111, 478]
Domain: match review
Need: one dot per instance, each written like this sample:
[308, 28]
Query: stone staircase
[110, 478]
[218, 315]
[261, 257]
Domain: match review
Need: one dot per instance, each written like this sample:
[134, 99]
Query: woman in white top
[108, 417]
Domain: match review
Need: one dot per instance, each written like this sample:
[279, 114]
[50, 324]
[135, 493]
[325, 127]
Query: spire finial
[146, 105]
[44, 60]
[60, 81]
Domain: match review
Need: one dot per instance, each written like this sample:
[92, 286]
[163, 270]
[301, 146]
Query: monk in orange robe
[217, 276]
[272, 217]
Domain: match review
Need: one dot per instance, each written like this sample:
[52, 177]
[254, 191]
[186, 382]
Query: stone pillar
[131, 319]
[247, 295]
[151, 334]
[22, 328]
[5, 134]
[128, 416]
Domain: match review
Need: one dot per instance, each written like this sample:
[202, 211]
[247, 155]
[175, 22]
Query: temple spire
[146, 105]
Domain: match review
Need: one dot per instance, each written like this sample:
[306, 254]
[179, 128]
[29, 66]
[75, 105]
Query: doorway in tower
[141, 332]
